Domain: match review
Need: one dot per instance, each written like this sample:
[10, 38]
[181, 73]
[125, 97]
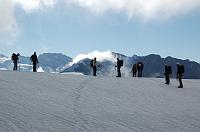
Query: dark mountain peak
[135, 56]
[118, 55]
[54, 55]
[153, 56]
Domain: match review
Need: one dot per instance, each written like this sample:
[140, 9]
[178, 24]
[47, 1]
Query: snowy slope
[3, 58]
[42, 102]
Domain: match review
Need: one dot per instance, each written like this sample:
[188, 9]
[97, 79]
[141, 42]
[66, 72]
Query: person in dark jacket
[134, 70]
[15, 58]
[168, 71]
[140, 67]
[94, 65]
[35, 61]
[179, 76]
[119, 65]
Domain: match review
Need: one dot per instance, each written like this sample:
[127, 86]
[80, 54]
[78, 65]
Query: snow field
[42, 102]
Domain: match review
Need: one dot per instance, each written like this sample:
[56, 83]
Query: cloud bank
[145, 9]
[134, 9]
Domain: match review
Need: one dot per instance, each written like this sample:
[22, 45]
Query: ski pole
[19, 66]
[30, 66]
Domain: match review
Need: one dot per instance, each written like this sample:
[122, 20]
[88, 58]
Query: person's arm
[37, 59]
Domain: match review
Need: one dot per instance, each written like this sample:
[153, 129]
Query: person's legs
[167, 79]
[94, 70]
[34, 67]
[180, 81]
[134, 74]
[15, 66]
[138, 73]
[118, 72]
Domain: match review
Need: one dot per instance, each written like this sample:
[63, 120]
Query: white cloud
[7, 19]
[139, 9]
[9, 30]
[101, 56]
[8, 26]
[30, 5]
[147, 9]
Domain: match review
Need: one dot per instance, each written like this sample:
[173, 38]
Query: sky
[72, 27]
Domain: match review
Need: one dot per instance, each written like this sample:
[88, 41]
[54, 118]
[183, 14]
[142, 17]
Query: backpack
[91, 63]
[121, 62]
[14, 57]
[170, 69]
[182, 69]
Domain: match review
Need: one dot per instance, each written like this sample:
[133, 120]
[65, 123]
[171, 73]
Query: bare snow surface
[42, 102]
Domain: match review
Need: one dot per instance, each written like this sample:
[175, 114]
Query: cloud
[101, 56]
[104, 56]
[9, 30]
[8, 26]
[134, 9]
[145, 9]
[31, 5]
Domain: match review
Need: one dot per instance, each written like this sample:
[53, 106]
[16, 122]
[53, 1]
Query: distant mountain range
[153, 65]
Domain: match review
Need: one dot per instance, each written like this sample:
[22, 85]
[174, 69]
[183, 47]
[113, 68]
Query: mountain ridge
[154, 64]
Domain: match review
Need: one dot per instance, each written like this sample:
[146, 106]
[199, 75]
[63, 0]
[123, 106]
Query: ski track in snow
[41, 102]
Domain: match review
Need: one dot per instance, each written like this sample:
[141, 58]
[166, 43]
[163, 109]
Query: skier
[15, 58]
[119, 65]
[35, 61]
[93, 64]
[180, 72]
[168, 71]
[140, 67]
[134, 70]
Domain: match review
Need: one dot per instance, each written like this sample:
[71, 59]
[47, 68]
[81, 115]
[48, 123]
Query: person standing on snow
[119, 65]
[180, 72]
[168, 71]
[134, 70]
[140, 67]
[95, 67]
[93, 64]
[35, 61]
[15, 58]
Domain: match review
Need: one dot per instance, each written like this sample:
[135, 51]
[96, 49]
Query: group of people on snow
[33, 59]
[179, 74]
[137, 68]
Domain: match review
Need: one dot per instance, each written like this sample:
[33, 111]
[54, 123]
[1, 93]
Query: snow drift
[61, 103]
